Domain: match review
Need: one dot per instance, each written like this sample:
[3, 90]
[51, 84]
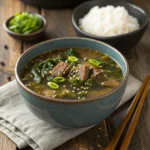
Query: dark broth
[82, 79]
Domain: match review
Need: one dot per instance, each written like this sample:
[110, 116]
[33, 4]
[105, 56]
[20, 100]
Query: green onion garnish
[94, 62]
[53, 85]
[59, 79]
[72, 59]
[25, 23]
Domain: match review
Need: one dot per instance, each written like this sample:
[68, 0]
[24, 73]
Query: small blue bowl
[72, 113]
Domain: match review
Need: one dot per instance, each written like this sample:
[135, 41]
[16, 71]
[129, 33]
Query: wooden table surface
[59, 25]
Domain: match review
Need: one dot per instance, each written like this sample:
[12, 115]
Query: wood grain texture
[6, 143]
[139, 64]
[59, 25]
[10, 49]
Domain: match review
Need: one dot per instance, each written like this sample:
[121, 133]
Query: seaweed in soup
[74, 73]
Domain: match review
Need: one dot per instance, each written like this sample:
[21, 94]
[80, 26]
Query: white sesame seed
[73, 91]
[74, 87]
[78, 89]
[64, 86]
[54, 91]
[54, 96]
[85, 58]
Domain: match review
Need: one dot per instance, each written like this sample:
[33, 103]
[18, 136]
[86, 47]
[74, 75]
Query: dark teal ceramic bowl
[72, 113]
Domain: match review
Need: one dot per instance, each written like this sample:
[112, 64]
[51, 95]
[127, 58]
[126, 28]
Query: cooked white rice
[108, 21]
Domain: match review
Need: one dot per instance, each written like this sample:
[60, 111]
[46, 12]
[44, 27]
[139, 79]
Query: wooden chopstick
[128, 136]
[113, 143]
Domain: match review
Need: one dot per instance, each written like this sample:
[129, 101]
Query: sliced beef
[83, 72]
[61, 69]
[97, 74]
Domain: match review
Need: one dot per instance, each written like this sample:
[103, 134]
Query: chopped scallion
[53, 85]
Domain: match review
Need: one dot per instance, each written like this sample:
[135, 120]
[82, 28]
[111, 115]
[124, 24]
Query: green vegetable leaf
[37, 77]
[76, 82]
[41, 69]
[71, 52]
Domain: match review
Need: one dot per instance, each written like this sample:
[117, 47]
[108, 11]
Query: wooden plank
[139, 63]
[31, 9]
[59, 23]
[9, 48]
[95, 139]
[6, 143]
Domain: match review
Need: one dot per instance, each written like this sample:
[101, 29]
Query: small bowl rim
[25, 35]
[76, 26]
[66, 101]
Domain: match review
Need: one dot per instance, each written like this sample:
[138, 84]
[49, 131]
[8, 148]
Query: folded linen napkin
[25, 129]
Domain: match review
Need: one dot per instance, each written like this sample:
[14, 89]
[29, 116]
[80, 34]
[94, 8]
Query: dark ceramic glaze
[26, 37]
[72, 113]
[124, 42]
[54, 3]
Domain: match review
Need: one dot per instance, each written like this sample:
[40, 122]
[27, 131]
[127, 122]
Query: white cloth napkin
[25, 129]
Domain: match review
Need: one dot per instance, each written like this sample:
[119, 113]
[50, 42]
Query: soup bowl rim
[69, 101]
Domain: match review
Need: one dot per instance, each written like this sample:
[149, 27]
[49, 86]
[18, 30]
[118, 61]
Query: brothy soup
[72, 73]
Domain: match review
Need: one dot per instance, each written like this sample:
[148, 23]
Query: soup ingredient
[95, 62]
[97, 74]
[25, 23]
[61, 69]
[41, 69]
[51, 74]
[83, 72]
[108, 21]
[71, 52]
[59, 79]
[72, 59]
[66, 93]
[53, 85]
[110, 83]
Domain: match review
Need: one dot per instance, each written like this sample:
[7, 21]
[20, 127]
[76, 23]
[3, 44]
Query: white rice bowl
[108, 21]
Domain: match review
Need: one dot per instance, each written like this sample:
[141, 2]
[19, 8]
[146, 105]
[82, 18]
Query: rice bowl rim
[109, 37]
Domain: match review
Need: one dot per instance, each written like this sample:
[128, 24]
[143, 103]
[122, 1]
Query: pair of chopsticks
[134, 111]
